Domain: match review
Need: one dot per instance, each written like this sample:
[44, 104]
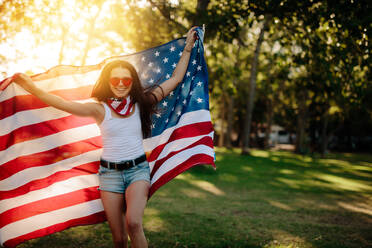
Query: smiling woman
[122, 110]
[120, 82]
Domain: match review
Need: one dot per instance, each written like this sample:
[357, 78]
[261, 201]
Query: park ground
[268, 199]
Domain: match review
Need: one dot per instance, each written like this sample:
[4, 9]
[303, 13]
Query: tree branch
[167, 16]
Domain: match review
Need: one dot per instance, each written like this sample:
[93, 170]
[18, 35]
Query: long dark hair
[145, 98]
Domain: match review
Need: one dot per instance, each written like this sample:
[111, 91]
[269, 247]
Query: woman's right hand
[24, 81]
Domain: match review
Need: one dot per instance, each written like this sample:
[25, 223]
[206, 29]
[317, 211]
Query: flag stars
[184, 102]
[188, 74]
[165, 60]
[171, 93]
[157, 53]
[151, 81]
[174, 65]
[192, 78]
[152, 125]
[199, 68]
[194, 62]
[165, 104]
[158, 115]
[158, 70]
[172, 49]
[150, 64]
[143, 58]
[183, 86]
[166, 121]
[200, 83]
[178, 113]
[199, 100]
[167, 76]
[180, 54]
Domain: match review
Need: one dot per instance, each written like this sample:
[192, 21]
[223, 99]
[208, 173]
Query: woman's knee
[134, 224]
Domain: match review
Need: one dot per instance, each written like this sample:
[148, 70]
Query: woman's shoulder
[96, 105]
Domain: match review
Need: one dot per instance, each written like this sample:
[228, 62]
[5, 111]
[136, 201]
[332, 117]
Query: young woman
[122, 111]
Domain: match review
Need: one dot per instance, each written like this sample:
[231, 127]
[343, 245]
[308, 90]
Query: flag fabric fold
[49, 159]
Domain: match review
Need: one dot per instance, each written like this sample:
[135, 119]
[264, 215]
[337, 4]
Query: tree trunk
[90, 34]
[222, 121]
[230, 114]
[324, 132]
[63, 39]
[301, 122]
[201, 10]
[270, 115]
[252, 87]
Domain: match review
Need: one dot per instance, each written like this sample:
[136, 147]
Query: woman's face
[120, 82]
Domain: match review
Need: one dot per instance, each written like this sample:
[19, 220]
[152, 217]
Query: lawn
[269, 199]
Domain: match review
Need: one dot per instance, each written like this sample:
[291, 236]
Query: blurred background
[293, 75]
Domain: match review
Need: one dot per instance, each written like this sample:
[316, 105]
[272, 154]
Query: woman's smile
[118, 76]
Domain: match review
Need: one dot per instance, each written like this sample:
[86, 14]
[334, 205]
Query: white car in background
[279, 136]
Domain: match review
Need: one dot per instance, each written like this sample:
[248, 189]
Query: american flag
[49, 159]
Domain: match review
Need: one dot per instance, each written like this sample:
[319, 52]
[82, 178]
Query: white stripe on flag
[177, 145]
[186, 119]
[65, 82]
[29, 117]
[58, 188]
[49, 142]
[44, 220]
[33, 116]
[179, 158]
[25, 176]
[11, 91]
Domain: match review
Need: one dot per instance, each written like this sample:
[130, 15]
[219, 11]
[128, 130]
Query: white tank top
[122, 137]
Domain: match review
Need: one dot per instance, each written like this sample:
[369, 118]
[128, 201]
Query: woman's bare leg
[113, 204]
[136, 198]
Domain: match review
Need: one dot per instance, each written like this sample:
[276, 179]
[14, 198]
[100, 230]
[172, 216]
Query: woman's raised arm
[81, 109]
[178, 73]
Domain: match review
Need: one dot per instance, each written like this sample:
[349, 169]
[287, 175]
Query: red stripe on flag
[121, 106]
[49, 157]
[186, 131]
[28, 102]
[192, 161]
[42, 129]
[48, 204]
[87, 220]
[129, 109]
[84, 169]
[4, 83]
[203, 141]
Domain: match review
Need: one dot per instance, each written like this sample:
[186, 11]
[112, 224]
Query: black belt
[123, 165]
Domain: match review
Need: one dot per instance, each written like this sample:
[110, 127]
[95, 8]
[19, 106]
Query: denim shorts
[119, 180]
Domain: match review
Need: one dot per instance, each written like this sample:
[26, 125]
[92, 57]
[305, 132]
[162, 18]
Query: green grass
[269, 199]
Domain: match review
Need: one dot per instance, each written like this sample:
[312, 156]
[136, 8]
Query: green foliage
[312, 49]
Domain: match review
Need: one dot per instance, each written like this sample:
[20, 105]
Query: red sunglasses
[115, 81]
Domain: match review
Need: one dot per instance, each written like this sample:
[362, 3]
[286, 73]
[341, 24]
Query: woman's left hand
[191, 37]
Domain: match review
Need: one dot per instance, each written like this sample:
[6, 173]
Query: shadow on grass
[270, 199]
